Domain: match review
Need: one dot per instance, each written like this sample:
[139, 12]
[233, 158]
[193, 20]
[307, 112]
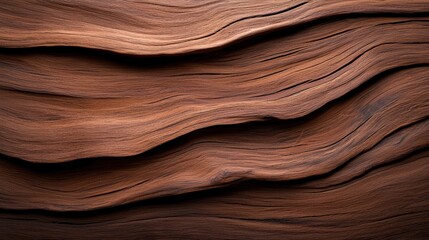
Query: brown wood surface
[237, 119]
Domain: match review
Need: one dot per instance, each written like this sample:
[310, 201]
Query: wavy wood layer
[156, 104]
[265, 151]
[168, 27]
[214, 119]
[388, 203]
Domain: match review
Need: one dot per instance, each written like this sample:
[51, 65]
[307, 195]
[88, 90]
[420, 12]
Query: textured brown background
[238, 119]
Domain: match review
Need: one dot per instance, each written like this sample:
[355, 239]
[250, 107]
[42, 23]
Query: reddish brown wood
[214, 119]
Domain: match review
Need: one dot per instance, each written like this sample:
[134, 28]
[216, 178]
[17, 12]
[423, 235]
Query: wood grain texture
[214, 119]
[163, 102]
[168, 27]
[388, 203]
[264, 151]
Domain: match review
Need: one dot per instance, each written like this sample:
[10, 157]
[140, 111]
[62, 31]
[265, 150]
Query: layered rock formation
[214, 119]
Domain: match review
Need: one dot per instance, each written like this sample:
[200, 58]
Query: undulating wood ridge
[163, 102]
[153, 27]
[214, 119]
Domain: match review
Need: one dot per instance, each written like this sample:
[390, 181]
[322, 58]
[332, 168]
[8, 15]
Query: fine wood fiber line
[365, 127]
[286, 77]
[154, 27]
[237, 119]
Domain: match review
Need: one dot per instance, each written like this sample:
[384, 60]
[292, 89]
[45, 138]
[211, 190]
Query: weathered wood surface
[214, 119]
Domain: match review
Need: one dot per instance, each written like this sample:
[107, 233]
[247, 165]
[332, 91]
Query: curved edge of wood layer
[363, 129]
[43, 127]
[149, 28]
[389, 202]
